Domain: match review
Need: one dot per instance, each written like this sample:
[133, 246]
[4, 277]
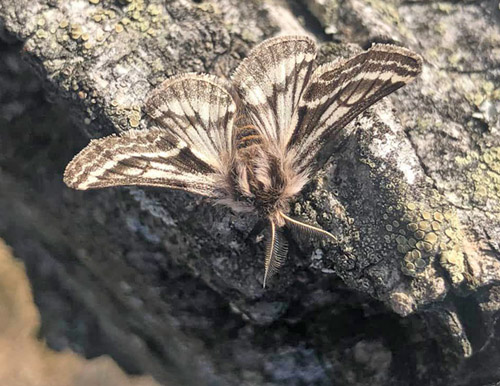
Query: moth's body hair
[253, 143]
[246, 136]
[265, 179]
[261, 178]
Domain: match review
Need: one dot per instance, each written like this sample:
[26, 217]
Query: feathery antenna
[276, 251]
[307, 229]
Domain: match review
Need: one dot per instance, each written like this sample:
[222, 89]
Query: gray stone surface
[170, 285]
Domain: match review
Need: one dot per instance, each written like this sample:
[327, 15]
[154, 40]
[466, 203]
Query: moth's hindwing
[270, 82]
[187, 151]
[140, 157]
[199, 110]
[338, 92]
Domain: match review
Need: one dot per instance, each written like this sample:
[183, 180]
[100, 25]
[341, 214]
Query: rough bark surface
[171, 286]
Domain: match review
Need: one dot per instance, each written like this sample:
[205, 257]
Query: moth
[251, 143]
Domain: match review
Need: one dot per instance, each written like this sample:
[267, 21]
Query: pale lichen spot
[411, 206]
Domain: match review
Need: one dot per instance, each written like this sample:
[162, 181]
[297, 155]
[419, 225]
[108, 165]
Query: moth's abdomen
[247, 136]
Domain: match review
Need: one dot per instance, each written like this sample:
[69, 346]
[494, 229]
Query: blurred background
[31, 165]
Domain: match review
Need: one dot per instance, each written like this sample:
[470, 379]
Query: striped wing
[270, 82]
[140, 157]
[188, 150]
[340, 91]
[199, 110]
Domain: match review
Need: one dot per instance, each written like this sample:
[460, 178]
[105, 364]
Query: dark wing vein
[270, 82]
[141, 157]
[338, 92]
[199, 109]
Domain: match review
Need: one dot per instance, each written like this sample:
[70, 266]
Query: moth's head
[277, 218]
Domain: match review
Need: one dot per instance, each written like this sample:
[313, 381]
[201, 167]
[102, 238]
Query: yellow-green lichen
[428, 230]
[136, 15]
[454, 58]
[424, 124]
[130, 114]
[444, 7]
[431, 238]
[41, 34]
[424, 225]
[453, 261]
[483, 170]
[419, 234]
[387, 10]
[480, 91]
[153, 10]
[100, 36]
[438, 217]
[412, 227]
[75, 31]
[119, 27]
[440, 28]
